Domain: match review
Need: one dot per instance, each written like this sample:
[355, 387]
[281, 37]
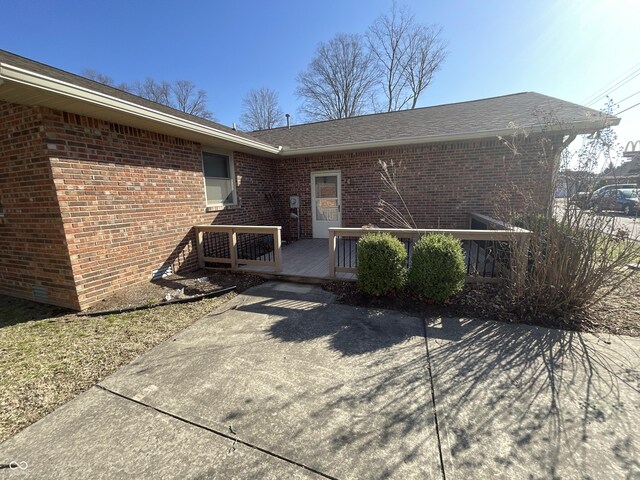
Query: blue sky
[569, 49]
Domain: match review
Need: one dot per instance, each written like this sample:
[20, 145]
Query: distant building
[570, 182]
[629, 171]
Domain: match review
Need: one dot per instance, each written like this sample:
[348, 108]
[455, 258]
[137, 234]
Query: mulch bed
[618, 313]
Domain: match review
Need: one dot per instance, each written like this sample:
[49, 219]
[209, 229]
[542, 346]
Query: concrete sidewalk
[283, 383]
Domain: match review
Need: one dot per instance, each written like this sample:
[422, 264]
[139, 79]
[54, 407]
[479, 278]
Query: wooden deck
[304, 260]
[308, 261]
[487, 250]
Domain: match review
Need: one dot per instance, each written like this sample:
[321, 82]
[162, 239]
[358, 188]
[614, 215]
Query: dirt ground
[175, 287]
[618, 313]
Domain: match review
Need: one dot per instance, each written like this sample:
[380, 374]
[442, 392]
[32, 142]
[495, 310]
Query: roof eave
[44, 83]
[577, 128]
[82, 94]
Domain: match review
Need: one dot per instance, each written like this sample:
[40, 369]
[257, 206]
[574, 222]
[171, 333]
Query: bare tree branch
[189, 100]
[407, 55]
[159, 92]
[428, 53]
[339, 80]
[104, 79]
[98, 77]
[181, 94]
[261, 110]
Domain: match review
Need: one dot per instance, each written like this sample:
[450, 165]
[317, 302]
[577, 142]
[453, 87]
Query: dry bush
[575, 256]
[573, 262]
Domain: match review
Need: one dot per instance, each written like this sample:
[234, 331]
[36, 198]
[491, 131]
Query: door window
[326, 193]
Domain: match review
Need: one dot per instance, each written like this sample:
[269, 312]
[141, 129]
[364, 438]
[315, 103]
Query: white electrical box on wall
[294, 201]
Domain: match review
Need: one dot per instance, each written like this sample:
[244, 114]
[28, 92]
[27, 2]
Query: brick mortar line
[433, 399]
[216, 432]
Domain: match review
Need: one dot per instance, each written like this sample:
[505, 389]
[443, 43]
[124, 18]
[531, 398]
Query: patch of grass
[628, 247]
[48, 355]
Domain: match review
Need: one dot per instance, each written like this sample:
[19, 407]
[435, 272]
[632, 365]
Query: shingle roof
[57, 74]
[628, 168]
[476, 117]
[471, 119]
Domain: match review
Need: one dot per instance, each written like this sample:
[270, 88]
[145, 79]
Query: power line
[610, 84]
[627, 109]
[627, 98]
[621, 83]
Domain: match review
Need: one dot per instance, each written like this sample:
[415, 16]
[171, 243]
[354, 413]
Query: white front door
[325, 202]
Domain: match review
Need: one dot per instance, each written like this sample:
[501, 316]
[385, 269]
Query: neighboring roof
[21, 72]
[32, 83]
[473, 119]
[627, 169]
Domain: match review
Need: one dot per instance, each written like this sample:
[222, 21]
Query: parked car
[580, 199]
[621, 199]
[588, 199]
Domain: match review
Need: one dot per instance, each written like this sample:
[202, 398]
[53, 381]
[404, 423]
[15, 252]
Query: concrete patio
[282, 382]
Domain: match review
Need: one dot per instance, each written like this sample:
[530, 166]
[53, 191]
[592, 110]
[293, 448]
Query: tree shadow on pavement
[551, 403]
[367, 371]
[513, 401]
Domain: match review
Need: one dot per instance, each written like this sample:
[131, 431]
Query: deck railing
[487, 247]
[228, 246]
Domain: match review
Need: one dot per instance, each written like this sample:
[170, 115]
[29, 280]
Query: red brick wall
[129, 199]
[34, 260]
[125, 200]
[441, 183]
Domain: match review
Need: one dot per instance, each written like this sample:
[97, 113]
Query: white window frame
[232, 174]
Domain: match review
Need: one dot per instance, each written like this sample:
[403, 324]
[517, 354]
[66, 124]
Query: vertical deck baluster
[332, 253]
[355, 249]
[253, 245]
[486, 259]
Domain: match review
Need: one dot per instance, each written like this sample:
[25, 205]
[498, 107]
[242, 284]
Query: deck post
[277, 249]
[522, 253]
[332, 254]
[200, 247]
[233, 249]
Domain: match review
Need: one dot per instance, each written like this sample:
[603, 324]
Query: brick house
[100, 188]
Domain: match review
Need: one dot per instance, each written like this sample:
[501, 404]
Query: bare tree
[261, 110]
[190, 100]
[97, 76]
[159, 92]
[104, 79]
[407, 56]
[339, 80]
[181, 94]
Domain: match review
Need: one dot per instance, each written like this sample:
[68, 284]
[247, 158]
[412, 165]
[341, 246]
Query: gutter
[75, 92]
[42, 82]
[583, 127]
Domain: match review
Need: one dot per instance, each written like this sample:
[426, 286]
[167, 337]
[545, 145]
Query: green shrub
[437, 268]
[382, 263]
